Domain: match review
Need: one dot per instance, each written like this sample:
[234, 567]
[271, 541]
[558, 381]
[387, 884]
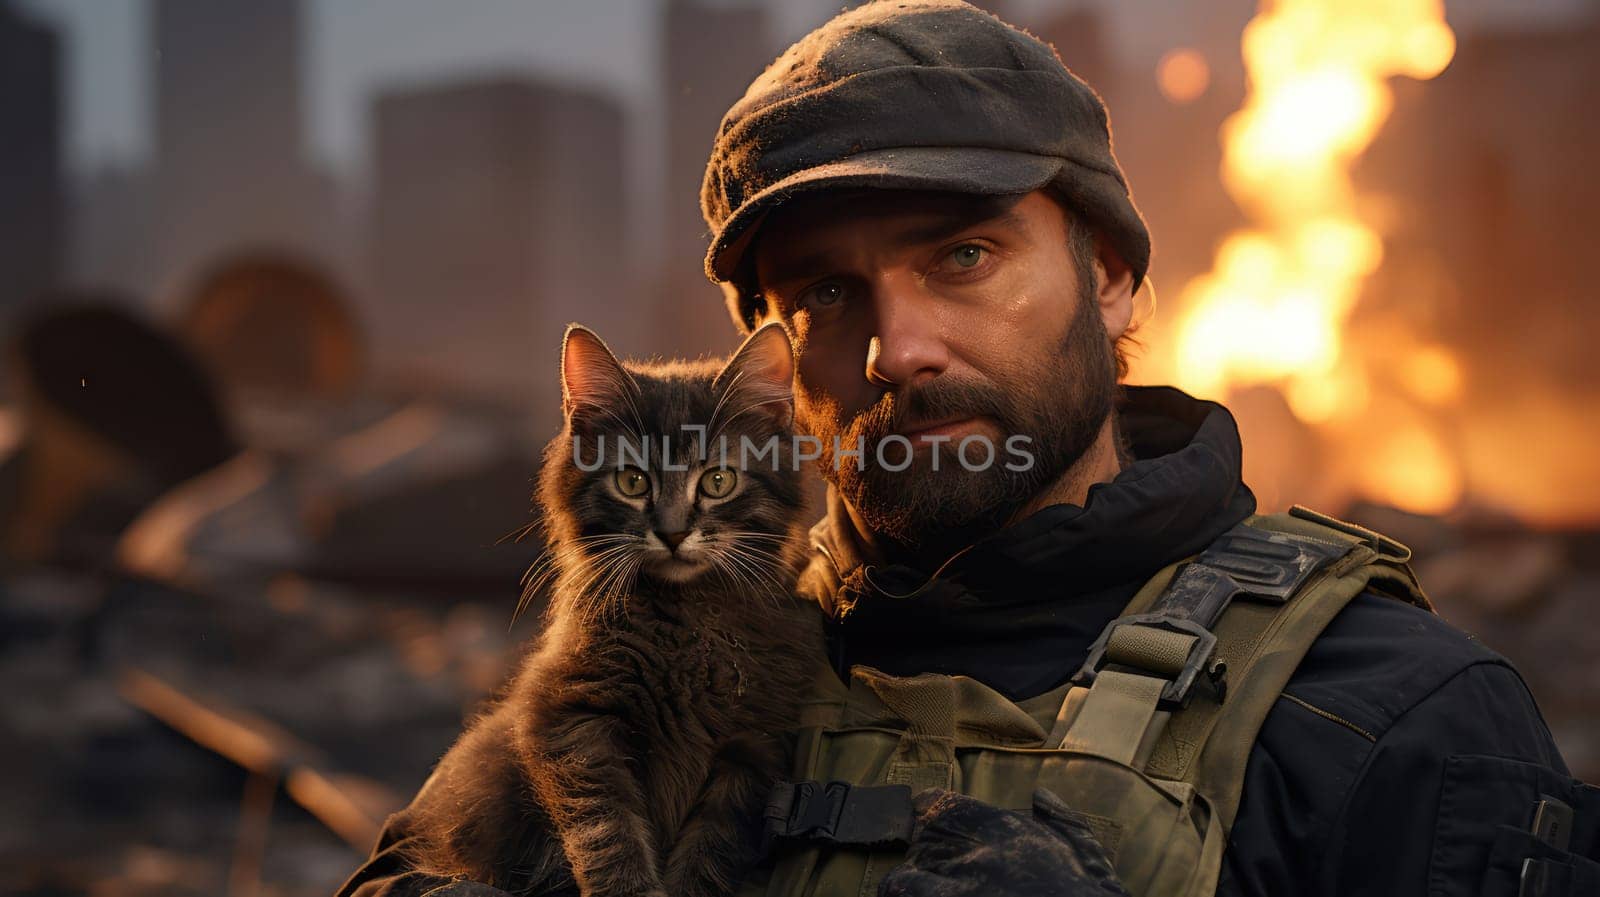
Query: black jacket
[1404, 757]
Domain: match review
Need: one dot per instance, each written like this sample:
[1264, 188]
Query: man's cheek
[816, 414]
[829, 396]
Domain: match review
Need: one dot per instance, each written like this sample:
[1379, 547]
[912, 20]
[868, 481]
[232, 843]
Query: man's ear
[1116, 288]
[761, 374]
[591, 376]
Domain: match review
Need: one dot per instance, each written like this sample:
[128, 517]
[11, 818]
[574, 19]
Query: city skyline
[602, 44]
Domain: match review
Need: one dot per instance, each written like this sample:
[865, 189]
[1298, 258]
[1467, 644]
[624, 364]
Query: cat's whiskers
[594, 563]
[547, 559]
[625, 580]
[731, 575]
[550, 563]
[775, 559]
[741, 537]
[602, 596]
[533, 581]
[716, 569]
[747, 576]
[531, 585]
[773, 589]
[520, 533]
[756, 535]
[602, 568]
[584, 569]
[756, 566]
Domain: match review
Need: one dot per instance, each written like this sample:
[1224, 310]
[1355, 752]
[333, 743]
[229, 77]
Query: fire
[1274, 308]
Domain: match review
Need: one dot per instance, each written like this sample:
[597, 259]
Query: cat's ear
[761, 372]
[591, 376]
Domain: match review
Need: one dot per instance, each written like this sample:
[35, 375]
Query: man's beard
[1061, 405]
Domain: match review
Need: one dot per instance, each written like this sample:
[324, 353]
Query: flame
[1274, 308]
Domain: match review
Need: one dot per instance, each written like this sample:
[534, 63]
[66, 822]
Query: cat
[633, 751]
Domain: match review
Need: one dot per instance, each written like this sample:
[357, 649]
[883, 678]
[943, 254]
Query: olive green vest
[1148, 743]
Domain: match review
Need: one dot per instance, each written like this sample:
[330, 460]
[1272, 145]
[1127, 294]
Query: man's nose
[907, 346]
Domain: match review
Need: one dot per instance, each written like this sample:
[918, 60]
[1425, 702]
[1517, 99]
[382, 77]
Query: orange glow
[1433, 375]
[1183, 75]
[1412, 468]
[1532, 453]
[1275, 306]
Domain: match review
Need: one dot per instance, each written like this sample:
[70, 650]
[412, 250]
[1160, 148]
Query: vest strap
[839, 813]
[1173, 639]
[1117, 704]
[1162, 651]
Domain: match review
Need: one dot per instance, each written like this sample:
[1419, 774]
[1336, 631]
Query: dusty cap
[920, 95]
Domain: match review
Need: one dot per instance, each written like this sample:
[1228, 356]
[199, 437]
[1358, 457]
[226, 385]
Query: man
[927, 200]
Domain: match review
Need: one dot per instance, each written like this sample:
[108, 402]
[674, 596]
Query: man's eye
[968, 256]
[825, 295]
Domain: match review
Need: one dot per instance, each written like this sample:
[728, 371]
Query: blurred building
[496, 204]
[1496, 204]
[710, 53]
[32, 203]
[113, 220]
[1169, 149]
[230, 166]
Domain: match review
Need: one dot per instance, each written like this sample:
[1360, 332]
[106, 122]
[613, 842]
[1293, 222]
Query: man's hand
[961, 847]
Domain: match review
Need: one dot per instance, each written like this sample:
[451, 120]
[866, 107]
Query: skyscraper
[710, 53]
[498, 204]
[32, 202]
[230, 170]
[1489, 169]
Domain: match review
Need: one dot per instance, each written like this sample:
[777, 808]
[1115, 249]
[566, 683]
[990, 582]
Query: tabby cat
[633, 751]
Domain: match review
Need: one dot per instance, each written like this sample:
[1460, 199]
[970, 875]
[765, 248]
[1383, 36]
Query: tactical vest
[1147, 743]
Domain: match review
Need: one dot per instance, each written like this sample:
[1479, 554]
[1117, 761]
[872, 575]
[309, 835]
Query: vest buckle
[1171, 648]
[838, 813]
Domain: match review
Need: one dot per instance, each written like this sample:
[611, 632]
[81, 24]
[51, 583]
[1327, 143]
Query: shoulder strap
[1172, 636]
[1265, 650]
[1147, 663]
[1225, 619]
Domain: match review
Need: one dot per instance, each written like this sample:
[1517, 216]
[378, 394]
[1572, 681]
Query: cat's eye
[632, 483]
[718, 483]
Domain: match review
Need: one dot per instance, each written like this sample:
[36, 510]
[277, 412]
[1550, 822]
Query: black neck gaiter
[1018, 609]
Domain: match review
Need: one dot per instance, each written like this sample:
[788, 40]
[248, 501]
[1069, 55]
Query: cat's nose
[672, 539]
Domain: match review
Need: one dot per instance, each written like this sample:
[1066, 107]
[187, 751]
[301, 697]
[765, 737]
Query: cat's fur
[633, 751]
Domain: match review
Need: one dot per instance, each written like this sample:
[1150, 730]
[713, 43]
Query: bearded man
[1091, 667]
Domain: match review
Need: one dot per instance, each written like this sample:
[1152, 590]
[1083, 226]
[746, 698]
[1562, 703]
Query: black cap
[913, 94]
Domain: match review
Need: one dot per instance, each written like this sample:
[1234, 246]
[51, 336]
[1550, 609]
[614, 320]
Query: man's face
[915, 310]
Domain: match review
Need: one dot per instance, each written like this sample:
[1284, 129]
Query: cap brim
[953, 169]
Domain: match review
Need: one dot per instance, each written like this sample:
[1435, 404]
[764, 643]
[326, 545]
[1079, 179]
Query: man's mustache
[898, 412]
